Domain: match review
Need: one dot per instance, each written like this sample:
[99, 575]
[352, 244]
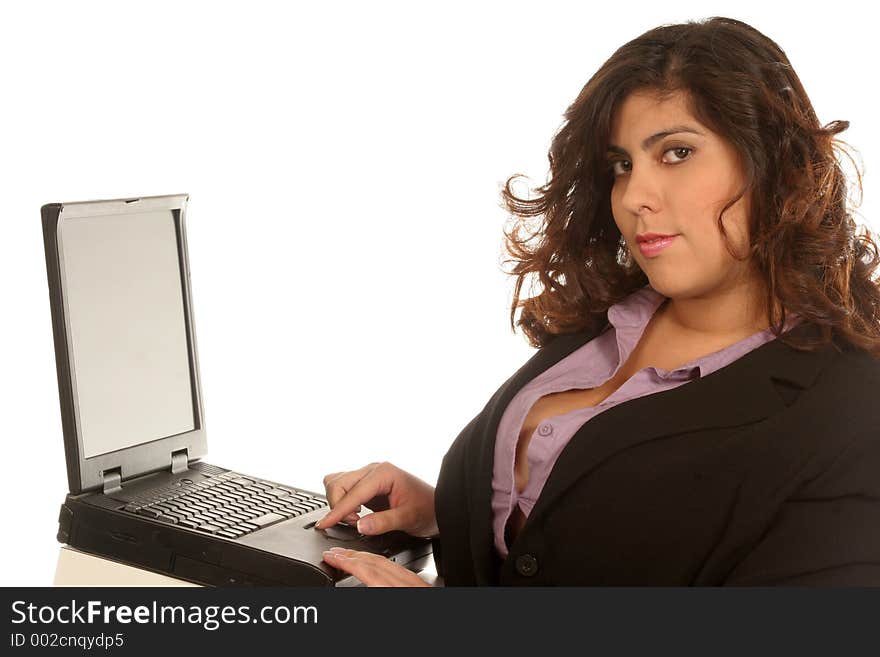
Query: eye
[687, 150]
[612, 165]
[680, 153]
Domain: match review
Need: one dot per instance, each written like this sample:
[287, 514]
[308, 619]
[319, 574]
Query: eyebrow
[650, 141]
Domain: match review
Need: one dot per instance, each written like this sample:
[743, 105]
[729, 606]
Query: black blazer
[764, 472]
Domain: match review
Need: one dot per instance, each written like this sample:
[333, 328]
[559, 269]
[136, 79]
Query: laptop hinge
[179, 461]
[112, 480]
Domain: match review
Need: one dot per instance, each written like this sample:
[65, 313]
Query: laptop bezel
[87, 474]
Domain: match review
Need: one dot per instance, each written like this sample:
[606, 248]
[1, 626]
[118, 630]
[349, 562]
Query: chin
[671, 286]
[663, 283]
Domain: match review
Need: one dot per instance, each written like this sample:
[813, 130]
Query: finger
[372, 569]
[373, 524]
[366, 488]
[358, 567]
[330, 476]
[348, 478]
[379, 570]
[337, 484]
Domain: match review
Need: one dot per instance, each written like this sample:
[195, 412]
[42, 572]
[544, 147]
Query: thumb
[380, 522]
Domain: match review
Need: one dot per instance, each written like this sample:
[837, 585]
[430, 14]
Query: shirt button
[545, 429]
[526, 565]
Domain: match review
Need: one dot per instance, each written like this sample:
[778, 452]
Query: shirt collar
[630, 317]
[637, 309]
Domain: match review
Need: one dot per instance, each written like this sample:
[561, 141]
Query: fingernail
[364, 525]
[320, 522]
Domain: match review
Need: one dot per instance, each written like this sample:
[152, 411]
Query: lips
[651, 245]
[649, 237]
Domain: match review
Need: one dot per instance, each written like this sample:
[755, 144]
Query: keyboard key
[241, 481]
[263, 509]
[278, 492]
[228, 533]
[150, 513]
[207, 527]
[168, 519]
[266, 520]
[189, 523]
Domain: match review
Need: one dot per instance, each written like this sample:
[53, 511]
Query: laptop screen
[127, 333]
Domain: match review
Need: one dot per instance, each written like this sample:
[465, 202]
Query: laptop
[134, 424]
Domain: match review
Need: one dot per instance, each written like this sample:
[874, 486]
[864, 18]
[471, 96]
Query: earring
[627, 259]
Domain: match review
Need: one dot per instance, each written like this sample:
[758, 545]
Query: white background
[344, 165]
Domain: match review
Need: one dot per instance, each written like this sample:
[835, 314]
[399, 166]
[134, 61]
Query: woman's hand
[399, 500]
[372, 569]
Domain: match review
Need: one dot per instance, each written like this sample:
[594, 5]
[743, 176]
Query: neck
[736, 312]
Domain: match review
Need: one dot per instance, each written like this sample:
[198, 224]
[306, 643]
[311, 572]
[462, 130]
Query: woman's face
[677, 184]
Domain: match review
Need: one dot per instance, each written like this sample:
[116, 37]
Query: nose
[641, 191]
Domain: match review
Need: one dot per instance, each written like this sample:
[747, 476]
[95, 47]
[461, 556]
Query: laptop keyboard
[228, 504]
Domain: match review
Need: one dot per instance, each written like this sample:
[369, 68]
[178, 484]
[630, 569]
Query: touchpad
[342, 533]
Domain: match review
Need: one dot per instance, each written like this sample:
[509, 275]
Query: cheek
[736, 223]
[699, 204]
[617, 211]
[699, 196]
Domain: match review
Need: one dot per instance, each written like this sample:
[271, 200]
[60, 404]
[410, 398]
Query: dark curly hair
[803, 240]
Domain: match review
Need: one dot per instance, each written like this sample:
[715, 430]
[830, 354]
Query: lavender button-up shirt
[588, 367]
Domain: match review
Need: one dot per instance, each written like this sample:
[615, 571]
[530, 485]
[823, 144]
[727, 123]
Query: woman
[701, 408]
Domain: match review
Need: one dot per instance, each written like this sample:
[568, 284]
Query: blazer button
[526, 565]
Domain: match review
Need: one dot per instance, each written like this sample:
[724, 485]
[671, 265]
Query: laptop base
[97, 524]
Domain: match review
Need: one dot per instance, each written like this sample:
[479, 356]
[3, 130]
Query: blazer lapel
[481, 459]
[740, 393]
